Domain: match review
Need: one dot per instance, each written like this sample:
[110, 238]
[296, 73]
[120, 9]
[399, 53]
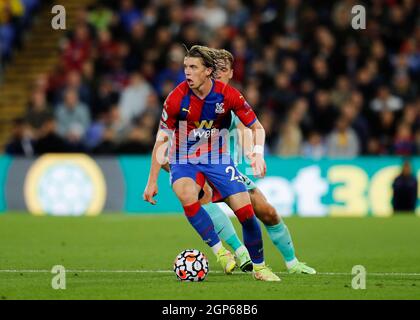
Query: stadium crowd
[319, 87]
[15, 16]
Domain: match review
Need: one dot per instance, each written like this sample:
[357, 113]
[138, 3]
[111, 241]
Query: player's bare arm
[257, 153]
[158, 161]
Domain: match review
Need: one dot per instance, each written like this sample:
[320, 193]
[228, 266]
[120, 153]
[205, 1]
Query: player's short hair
[223, 54]
[206, 54]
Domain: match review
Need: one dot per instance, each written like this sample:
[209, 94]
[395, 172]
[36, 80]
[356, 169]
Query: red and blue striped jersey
[197, 123]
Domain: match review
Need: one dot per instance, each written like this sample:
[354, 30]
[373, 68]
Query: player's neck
[204, 89]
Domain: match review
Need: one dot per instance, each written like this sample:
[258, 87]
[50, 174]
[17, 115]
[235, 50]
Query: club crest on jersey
[219, 108]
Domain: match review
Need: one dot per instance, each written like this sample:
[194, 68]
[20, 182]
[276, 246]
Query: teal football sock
[223, 226]
[281, 238]
[234, 242]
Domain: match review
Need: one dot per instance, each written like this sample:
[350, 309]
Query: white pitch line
[408, 274]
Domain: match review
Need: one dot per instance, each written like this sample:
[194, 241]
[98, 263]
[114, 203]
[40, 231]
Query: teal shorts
[249, 184]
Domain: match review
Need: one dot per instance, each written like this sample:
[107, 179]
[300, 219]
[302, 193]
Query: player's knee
[268, 215]
[187, 194]
[188, 199]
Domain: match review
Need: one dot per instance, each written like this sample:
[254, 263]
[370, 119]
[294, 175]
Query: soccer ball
[191, 265]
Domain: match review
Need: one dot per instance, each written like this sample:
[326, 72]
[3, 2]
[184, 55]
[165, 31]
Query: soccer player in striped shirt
[194, 116]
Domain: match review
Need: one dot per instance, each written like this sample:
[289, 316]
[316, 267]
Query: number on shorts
[232, 177]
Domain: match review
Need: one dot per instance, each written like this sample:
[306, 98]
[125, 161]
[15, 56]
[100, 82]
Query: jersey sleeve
[170, 111]
[240, 107]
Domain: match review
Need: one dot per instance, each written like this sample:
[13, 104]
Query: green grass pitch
[116, 256]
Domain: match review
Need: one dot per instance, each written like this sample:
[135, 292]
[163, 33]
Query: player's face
[225, 72]
[195, 72]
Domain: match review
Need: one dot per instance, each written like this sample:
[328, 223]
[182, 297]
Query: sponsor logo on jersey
[204, 129]
[204, 123]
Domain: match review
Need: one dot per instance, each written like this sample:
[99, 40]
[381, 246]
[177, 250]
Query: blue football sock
[223, 225]
[200, 220]
[252, 233]
[281, 238]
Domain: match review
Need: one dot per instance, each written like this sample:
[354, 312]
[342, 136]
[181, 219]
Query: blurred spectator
[242, 56]
[133, 98]
[138, 43]
[174, 71]
[253, 96]
[140, 138]
[211, 15]
[190, 35]
[95, 133]
[291, 137]
[75, 82]
[405, 190]
[374, 147]
[342, 91]
[314, 147]
[410, 116]
[351, 113]
[107, 51]
[105, 96]
[100, 17]
[238, 14]
[21, 143]
[37, 112]
[268, 67]
[381, 56]
[282, 96]
[385, 129]
[267, 120]
[72, 117]
[352, 54]
[112, 133]
[49, 141]
[128, 14]
[321, 75]
[386, 101]
[342, 142]
[403, 88]
[78, 49]
[11, 12]
[403, 144]
[323, 112]
[107, 127]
